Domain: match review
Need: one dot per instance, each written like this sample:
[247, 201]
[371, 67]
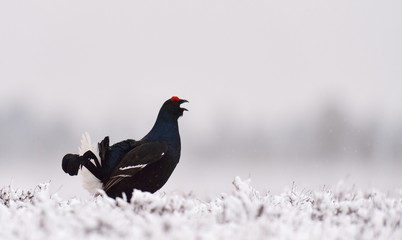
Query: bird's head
[172, 107]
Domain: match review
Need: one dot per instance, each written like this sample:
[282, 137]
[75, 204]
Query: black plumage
[145, 164]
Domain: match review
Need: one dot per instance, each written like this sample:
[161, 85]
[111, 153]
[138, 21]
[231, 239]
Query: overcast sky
[98, 63]
[249, 59]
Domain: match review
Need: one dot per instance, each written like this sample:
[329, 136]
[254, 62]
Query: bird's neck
[164, 129]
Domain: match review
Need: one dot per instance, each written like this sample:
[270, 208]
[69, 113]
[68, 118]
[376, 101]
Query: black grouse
[145, 164]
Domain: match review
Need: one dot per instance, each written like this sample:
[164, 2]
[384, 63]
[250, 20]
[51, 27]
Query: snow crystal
[342, 213]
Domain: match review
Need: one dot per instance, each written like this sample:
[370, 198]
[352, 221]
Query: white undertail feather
[88, 180]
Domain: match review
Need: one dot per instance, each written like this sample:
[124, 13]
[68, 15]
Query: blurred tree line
[327, 134]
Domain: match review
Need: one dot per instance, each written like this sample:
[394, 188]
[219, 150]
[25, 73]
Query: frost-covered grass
[341, 213]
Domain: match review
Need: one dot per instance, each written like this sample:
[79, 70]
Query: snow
[344, 212]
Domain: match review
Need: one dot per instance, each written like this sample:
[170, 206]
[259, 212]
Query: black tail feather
[71, 164]
[104, 148]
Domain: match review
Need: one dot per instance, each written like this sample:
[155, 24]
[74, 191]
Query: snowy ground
[343, 212]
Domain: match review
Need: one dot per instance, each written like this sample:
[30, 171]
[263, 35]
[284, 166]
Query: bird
[144, 165]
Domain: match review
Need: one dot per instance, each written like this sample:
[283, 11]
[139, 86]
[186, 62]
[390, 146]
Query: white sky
[249, 59]
[116, 62]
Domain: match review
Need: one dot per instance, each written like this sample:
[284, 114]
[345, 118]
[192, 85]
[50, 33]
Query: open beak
[181, 101]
